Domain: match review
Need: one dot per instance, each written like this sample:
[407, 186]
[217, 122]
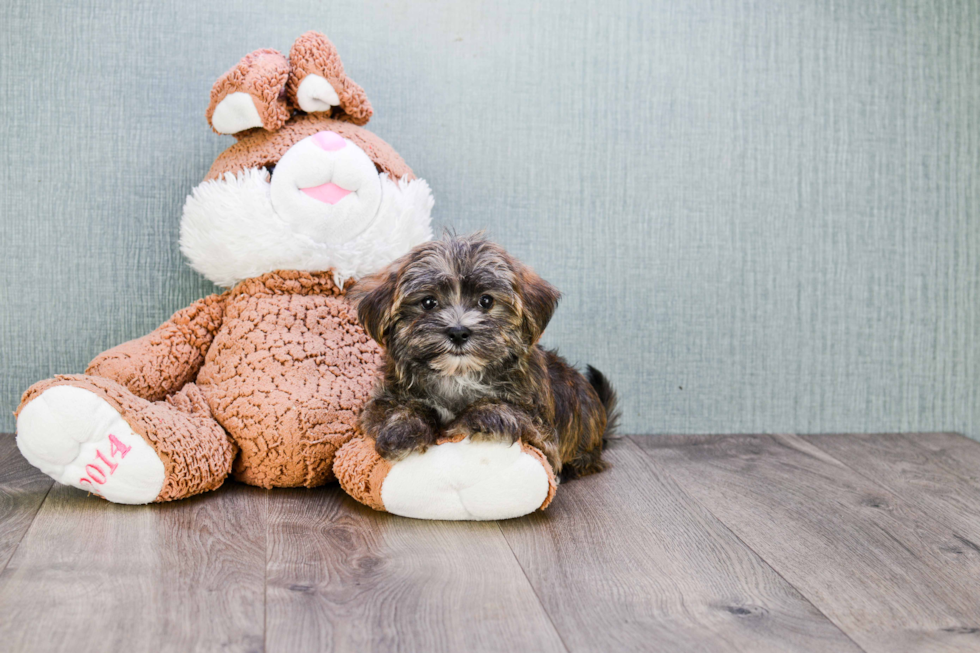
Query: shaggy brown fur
[460, 320]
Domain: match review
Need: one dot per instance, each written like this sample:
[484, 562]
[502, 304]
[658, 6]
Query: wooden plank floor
[688, 543]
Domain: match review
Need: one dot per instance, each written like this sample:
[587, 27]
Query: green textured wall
[764, 216]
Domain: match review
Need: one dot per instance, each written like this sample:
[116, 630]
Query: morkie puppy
[459, 320]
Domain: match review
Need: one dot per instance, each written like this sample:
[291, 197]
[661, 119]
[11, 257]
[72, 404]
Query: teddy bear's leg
[95, 435]
[455, 480]
[318, 83]
[252, 94]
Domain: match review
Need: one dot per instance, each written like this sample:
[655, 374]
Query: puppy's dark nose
[458, 334]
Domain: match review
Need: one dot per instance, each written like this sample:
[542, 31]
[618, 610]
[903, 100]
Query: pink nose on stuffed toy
[329, 141]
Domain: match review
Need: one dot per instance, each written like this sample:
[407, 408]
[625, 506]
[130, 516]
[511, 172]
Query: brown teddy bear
[264, 381]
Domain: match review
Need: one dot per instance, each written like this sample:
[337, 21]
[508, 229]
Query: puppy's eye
[428, 303]
[486, 302]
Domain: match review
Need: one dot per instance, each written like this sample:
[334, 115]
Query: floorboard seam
[13, 552]
[683, 490]
[265, 578]
[544, 609]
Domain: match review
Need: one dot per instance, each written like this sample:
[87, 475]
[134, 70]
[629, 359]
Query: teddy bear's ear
[252, 94]
[318, 82]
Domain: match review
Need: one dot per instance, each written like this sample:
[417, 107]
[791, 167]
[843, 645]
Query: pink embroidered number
[118, 447]
[94, 473]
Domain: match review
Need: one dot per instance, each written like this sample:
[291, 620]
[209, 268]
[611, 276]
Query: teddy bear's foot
[94, 434]
[318, 82]
[77, 438]
[462, 480]
[252, 94]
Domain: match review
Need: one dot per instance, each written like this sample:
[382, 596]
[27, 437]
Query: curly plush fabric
[262, 75]
[314, 54]
[162, 362]
[287, 374]
[275, 370]
[361, 472]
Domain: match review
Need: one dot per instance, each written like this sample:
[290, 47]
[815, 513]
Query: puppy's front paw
[400, 437]
[461, 430]
[495, 422]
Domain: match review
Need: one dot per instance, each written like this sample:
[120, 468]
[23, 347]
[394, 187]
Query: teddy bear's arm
[163, 361]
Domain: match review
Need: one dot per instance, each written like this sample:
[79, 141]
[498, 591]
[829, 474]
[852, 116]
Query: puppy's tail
[607, 396]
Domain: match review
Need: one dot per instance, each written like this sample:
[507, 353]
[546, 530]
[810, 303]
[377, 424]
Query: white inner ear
[316, 94]
[235, 113]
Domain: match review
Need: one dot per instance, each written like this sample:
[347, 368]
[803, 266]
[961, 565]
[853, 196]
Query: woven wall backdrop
[763, 216]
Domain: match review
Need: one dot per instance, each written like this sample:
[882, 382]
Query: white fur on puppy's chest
[451, 394]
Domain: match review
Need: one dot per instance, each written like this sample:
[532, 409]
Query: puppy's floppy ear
[374, 298]
[539, 299]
